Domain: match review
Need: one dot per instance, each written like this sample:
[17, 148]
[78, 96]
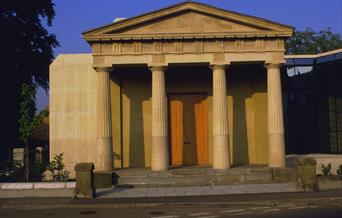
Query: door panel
[176, 111]
[189, 129]
[201, 125]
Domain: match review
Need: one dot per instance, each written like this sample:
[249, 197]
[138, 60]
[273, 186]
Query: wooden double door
[188, 120]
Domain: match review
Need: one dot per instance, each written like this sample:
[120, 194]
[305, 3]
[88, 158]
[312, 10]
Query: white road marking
[168, 216]
[312, 206]
[232, 211]
[259, 208]
[214, 216]
[236, 214]
[272, 210]
[199, 214]
[296, 208]
[288, 205]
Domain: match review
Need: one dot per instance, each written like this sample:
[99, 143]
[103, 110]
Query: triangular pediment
[187, 22]
[188, 19]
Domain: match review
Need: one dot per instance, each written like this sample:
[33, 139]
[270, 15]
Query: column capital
[215, 66]
[161, 67]
[103, 69]
[273, 65]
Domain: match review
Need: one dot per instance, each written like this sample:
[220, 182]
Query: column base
[160, 153]
[104, 155]
[221, 158]
[276, 151]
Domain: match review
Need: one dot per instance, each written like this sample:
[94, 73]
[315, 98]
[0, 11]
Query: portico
[168, 83]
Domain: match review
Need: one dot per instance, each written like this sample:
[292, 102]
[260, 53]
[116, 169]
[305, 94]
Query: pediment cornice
[262, 28]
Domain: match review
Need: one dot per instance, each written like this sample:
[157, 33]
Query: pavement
[158, 191]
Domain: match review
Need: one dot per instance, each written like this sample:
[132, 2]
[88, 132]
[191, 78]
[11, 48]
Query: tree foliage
[311, 42]
[29, 120]
[25, 55]
[27, 45]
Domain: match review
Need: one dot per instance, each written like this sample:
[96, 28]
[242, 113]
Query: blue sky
[76, 16]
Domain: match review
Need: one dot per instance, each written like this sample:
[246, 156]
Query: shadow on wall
[242, 85]
[136, 89]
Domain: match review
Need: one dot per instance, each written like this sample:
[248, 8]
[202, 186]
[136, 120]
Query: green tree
[25, 55]
[29, 120]
[311, 42]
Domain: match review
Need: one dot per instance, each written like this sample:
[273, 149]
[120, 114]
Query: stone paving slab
[201, 190]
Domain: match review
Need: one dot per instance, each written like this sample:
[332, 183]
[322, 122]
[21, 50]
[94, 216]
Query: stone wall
[73, 109]
[334, 159]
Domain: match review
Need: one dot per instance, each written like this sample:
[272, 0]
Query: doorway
[188, 120]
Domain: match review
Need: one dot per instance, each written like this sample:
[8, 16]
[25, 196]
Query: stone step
[188, 172]
[201, 176]
[194, 180]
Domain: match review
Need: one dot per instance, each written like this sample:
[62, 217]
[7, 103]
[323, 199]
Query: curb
[37, 185]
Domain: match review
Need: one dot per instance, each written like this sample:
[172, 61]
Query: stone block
[306, 173]
[49, 185]
[329, 182]
[85, 180]
[19, 156]
[70, 184]
[18, 185]
[283, 174]
[103, 179]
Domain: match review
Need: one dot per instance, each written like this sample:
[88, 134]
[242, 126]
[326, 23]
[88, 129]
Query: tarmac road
[320, 204]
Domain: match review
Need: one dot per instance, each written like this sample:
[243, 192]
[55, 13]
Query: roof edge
[339, 50]
[184, 3]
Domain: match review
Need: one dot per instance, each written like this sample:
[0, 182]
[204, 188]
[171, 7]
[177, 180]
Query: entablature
[187, 46]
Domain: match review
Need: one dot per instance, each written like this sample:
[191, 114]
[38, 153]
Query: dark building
[312, 92]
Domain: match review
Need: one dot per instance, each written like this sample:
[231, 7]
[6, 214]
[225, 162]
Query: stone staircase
[201, 176]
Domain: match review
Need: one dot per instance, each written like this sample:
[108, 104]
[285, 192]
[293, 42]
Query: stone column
[221, 158]
[104, 148]
[160, 150]
[276, 144]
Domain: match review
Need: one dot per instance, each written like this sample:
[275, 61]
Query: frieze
[187, 46]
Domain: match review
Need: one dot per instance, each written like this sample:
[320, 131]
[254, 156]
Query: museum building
[189, 84]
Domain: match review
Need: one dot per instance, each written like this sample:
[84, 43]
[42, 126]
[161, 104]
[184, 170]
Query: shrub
[56, 168]
[37, 172]
[339, 171]
[326, 169]
[12, 172]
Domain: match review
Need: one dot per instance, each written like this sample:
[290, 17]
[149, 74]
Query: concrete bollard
[306, 173]
[85, 180]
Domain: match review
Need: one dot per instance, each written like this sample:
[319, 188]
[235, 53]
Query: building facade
[312, 96]
[190, 84]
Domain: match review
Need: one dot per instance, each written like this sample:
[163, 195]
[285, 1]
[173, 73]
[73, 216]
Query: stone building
[189, 84]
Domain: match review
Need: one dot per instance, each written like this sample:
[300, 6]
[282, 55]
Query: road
[278, 205]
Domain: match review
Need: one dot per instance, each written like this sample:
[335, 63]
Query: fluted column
[104, 148]
[160, 150]
[276, 144]
[221, 158]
